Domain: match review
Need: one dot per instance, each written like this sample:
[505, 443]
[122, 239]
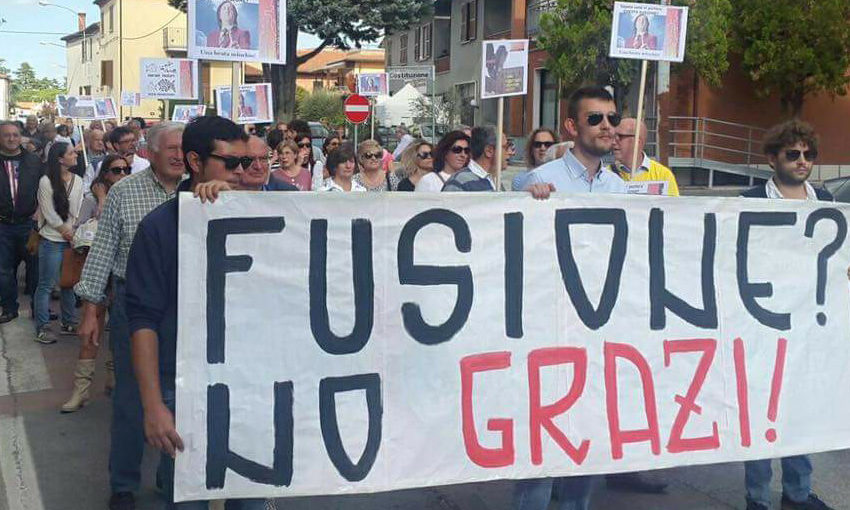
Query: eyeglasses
[594, 119]
[371, 155]
[232, 162]
[425, 155]
[457, 149]
[118, 170]
[794, 154]
[539, 145]
[304, 145]
[620, 137]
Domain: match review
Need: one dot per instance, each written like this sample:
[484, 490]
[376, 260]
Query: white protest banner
[372, 84]
[344, 343]
[421, 77]
[505, 68]
[255, 103]
[187, 112]
[238, 30]
[648, 32]
[169, 78]
[85, 107]
[129, 98]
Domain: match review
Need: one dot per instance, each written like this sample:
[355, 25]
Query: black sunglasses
[231, 162]
[372, 155]
[304, 145]
[538, 145]
[457, 149]
[794, 154]
[594, 119]
[425, 155]
[118, 170]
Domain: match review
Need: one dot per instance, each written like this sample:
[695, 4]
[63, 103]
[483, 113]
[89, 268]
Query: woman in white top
[341, 164]
[320, 171]
[450, 157]
[60, 196]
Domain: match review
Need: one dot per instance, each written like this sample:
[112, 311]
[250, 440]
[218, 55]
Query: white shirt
[51, 221]
[318, 175]
[432, 182]
[772, 190]
[139, 164]
[402, 144]
[331, 185]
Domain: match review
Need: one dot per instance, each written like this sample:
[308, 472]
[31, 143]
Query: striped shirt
[128, 201]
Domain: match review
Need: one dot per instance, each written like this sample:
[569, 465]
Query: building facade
[4, 97]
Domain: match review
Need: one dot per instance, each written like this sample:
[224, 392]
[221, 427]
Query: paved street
[54, 461]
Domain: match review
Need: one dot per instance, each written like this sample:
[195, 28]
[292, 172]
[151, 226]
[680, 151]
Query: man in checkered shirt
[128, 202]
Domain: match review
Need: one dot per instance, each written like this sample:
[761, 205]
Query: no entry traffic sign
[356, 109]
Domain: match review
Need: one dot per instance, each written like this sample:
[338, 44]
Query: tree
[446, 108]
[341, 23]
[577, 34]
[322, 106]
[26, 86]
[795, 48]
[4, 69]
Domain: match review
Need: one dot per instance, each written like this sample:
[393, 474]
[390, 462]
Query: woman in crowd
[320, 171]
[305, 154]
[341, 164]
[290, 166]
[535, 153]
[60, 196]
[451, 156]
[372, 176]
[417, 161]
[112, 169]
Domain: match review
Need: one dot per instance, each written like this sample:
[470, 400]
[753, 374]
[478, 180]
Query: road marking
[16, 464]
[21, 361]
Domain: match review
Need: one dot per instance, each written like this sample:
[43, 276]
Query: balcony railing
[174, 39]
[532, 15]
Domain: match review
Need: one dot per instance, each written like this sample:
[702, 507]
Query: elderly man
[648, 169]
[256, 176]
[128, 202]
[96, 151]
[31, 127]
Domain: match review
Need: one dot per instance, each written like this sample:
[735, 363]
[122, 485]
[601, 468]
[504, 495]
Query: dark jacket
[760, 191]
[30, 170]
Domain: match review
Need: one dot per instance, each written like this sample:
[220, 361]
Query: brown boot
[82, 382]
[110, 376]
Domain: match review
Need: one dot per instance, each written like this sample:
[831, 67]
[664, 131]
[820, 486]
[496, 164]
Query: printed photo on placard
[130, 98]
[505, 69]
[85, 107]
[238, 30]
[255, 103]
[187, 112]
[648, 32]
[372, 84]
[169, 78]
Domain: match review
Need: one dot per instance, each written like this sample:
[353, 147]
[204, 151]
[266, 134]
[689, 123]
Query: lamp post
[45, 3]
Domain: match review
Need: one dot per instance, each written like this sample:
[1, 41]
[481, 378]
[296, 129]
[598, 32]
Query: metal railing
[174, 39]
[533, 10]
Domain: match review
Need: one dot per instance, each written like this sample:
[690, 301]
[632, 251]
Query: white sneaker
[42, 338]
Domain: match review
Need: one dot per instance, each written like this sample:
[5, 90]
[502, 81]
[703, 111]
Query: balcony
[443, 64]
[174, 39]
[532, 15]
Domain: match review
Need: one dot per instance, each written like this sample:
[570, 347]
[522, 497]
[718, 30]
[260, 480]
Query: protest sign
[648, 32]
[238, 30]
[85, 107]
[344, 343]
[129, 98]
[255, 103]
[169, 78]
[187, 112]
[505, 68]
[372, 84]
[647, 187]
[421, 77]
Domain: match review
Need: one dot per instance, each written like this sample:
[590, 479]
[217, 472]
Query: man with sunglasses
[215, 149]
[791, 149]
[255, 176]
[648, 169]
[479, 175]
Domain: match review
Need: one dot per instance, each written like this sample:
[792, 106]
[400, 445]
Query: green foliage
[26, 86]
[446, 108]
[795, 48]
[321, 106]
[4, 69]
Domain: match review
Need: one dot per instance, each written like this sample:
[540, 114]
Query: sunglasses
[304, 145]
[539, 145]
[457, 149]
[232, 162]
[425, 155]
[794, 154]
[594, 119]
[118, 170]
[372, 155]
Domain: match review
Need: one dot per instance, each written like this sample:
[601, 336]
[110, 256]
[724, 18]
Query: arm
[46, 208]
[160, 430]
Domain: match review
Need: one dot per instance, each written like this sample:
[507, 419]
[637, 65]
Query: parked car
[318, 133]
[839, 187]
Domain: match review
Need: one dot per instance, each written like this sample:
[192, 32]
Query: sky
[49, 24]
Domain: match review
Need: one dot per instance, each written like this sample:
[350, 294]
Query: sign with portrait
[649, 32]
[505, 68]
[85, 107]
[169, 78]
[186, 112]
[129, 98]
[238, 30]
[372, 84]
[255, 103]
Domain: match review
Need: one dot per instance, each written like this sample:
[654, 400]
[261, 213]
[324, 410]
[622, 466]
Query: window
[426, 30]
[106, 73]
[417, 44]
[111, 18]
[83, 51]
[389, 50]
[468, 21]
[402, 57]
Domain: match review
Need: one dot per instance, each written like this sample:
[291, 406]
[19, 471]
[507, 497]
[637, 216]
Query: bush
[322, 106]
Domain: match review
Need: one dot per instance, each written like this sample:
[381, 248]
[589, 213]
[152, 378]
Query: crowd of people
[57, 200]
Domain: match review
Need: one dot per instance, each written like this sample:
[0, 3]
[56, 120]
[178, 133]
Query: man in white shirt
[404, 139]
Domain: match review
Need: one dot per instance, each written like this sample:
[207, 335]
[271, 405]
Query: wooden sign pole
[500, 128]
[639, 116]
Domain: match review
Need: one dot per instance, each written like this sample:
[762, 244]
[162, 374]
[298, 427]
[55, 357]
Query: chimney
[81, 21]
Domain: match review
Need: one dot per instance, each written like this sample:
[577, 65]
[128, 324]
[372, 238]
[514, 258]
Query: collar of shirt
[577, 169]
[624, 172]
[479, 172]
[772, 190]
[157, 182]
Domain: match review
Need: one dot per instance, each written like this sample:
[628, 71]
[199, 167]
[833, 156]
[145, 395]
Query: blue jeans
[128, 435]
[165, 472]
[49, 268]
[535, 494]
[796, 479]
[13, 251]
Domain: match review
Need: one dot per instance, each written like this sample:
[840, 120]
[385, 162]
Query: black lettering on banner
[750, 291]
[328, 388]
[219, 263]
[513, 274]
[364, 288]
[661, 299]
[413, 274]
[564, 218]
[219, 455]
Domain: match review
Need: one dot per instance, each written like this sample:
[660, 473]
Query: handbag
[32, 242]
[72, 267]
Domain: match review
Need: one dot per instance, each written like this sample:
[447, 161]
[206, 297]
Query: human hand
[208, 191]
[90, 326]
[160, 431]
[541, 191]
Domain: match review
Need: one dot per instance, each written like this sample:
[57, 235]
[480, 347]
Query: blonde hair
[366, 145]
[409, 157]
[287, 144]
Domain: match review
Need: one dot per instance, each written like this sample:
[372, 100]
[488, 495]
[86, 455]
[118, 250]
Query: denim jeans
[49, 268]
[128, 435]
[535, 494]
[13, 251]
[796, 479]
[165, 472]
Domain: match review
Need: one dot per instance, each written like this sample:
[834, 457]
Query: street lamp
[45, 3]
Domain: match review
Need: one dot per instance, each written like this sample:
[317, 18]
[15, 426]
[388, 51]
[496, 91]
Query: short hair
[274, 137]
[118, 133]
[461, 127]
[10, 123]
[482, 136]
[445, 146]
[298, 125]
[341, 155]
[593, 92]
[409, 158]
[529, 149]
[142, 123]
[201, 133]
[161, 129]
[327, 142]
[287, 144]
[367, 145]
[787, 134]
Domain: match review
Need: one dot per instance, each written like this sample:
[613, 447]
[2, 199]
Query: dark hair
[482, 137]
[54, 173]
[339, 156]
[445, 146]
[787, 134]
[328, 142]
[62, 130]
[306, 134]
[141, 121]
[583, 93]
[118, 133]
[104, 168]
[274, 137]
[529, 147]
[11, 123]
[235, 13]
[298, 125]
[202, 132]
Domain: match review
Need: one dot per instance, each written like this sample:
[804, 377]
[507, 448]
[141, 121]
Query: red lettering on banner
[485, 457]
[540, 416]
[687, 404]
[743, 394]
[621, 437]
[776, 387]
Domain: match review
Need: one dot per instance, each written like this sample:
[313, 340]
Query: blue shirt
[569, 175]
